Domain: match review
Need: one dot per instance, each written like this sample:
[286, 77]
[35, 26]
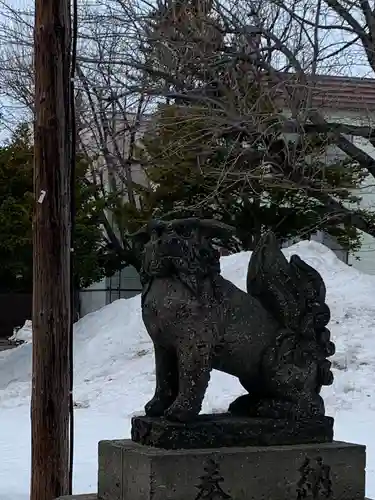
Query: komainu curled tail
[296, 365]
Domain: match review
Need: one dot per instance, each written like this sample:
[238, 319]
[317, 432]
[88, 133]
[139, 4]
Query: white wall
[364, 259]
[124, 284]
[93, 298]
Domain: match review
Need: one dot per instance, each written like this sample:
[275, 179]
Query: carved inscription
[315, 481]
[209, 487]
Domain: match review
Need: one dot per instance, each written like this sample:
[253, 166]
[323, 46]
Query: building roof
[344, 93]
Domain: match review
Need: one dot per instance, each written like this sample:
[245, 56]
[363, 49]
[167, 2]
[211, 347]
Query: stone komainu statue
[273, 338]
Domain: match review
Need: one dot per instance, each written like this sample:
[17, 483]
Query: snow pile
[24, 334]
[114, 371]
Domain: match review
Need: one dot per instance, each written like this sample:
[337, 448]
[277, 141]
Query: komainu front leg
[166, 371]
[194, 362]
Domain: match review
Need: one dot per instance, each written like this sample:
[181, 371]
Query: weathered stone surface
[111, 469]
[90, 496]
[214, 431]
[332, 471]
[273, 338]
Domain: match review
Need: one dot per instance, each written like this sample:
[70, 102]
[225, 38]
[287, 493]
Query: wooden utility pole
[51, 285]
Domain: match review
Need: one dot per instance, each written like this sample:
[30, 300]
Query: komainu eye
[183, 231]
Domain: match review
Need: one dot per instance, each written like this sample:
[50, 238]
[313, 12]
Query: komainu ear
[209, 227]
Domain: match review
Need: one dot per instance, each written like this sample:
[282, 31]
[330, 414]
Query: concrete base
[129, 471]
[95, 497]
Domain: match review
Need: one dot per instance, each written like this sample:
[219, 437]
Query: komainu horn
[272, 337]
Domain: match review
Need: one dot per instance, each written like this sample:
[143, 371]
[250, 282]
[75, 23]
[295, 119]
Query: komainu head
[180, 247]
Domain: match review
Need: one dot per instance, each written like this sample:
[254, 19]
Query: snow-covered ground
[114, 375]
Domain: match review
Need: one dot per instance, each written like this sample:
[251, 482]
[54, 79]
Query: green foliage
[196, 175]
[16, 208]
[93, 258]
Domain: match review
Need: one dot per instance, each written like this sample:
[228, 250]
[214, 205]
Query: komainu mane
[272, 337]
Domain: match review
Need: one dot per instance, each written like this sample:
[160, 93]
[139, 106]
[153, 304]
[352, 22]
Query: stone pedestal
[225, 430]
[225, 457]
[130, 471]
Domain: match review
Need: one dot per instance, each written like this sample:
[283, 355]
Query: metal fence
[93, 299]
[123, 285]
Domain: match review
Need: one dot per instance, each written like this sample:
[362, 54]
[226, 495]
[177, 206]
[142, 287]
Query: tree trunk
[51, 282]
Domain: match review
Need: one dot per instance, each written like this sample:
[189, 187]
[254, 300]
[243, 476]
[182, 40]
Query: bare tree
[347, 28]
[110, 121]
[287, 47]
[109, 115]
[119, 84]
